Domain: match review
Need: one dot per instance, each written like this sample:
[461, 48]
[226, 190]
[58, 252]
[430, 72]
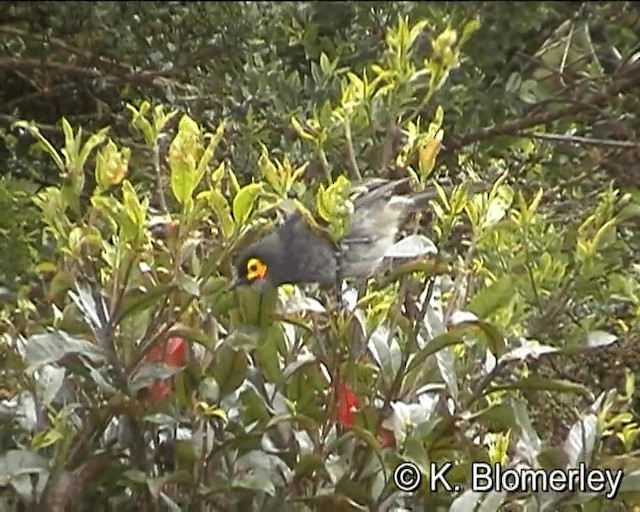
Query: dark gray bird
[296, 253]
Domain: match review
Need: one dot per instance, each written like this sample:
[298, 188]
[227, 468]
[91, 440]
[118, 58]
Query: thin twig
[325, 163]
[558, 137]
[352, 154]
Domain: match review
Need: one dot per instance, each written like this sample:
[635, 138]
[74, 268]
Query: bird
[296, 253]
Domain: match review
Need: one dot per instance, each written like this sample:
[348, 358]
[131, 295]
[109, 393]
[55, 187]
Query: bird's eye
[256, 269]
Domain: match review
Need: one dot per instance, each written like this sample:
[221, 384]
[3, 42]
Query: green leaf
[325, 64]
[214, 140]
[489, 332]
[446, 361]
[70, 150]
[141, 123]
[229, 369]
[136, 210]
[501, 415]
[257, 306]
[244, 200]
[629, 211]
[218, 174]
[268, 353]
[335, 206]
[190, 334]
[301, 131]
[182, 185]
[220, 206]
[47, 146]
[115, 210]
[514, 82]
[95, 140]
[254, 483]
[184, 151]
[160, 119]
[50, 347]
[368, 438]
[245, 337]
[427, 155]
[138, 300]
[16, 465]
[111, 166]
[452, 337]
[530, 92]
[631, 482]
[387, 354]
[529, 435]
[269, 170]
[581, 440]
[310, 463]
[415, 31]
[209, 390]
[148, 373]
[233, 181]
[189, 284]
[470, 28]
[300, 363]
[495, 296]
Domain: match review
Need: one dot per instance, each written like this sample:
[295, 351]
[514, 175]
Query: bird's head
[257, 267]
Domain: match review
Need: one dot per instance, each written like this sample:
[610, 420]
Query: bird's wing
[310, 253]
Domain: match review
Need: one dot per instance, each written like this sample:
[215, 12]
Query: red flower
[173, 353]
[348, 404]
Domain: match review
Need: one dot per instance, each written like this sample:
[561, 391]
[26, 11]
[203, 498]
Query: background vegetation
[143, 143]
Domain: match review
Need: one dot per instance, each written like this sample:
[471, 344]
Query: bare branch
[558, 137]
[626, 81]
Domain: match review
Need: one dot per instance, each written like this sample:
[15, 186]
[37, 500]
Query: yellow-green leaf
[208, 152]
[300, 131]
[269, 170]
[469, 29]
[493, 297]
[427, 156]
[46, 145]
[220, 206]
[243, 201]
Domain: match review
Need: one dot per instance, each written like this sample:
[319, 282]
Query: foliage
[136, 379]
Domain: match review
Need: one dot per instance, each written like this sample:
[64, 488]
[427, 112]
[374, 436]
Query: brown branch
[66, 47]
[30, 64]
[559, 137]
[627, 80]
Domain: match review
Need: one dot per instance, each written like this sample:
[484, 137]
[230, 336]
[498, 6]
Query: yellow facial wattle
[256, 270]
